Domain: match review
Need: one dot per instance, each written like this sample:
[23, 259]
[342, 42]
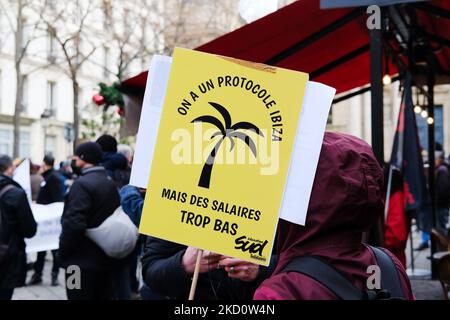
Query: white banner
[48, 218]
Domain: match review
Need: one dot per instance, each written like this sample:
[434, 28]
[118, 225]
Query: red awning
[332, 44]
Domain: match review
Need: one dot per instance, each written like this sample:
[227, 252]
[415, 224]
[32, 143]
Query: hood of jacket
[346, 198]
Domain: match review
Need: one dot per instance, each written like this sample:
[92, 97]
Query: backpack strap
[321, 271]
[5, 189]
[2, 192]
[390, 279]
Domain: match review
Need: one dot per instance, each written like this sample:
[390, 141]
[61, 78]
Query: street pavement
[423, 287]
[43, 291]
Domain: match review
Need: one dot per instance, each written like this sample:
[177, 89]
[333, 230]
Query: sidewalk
[423, 287]
[44, 291]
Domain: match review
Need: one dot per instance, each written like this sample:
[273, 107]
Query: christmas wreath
[110, 96]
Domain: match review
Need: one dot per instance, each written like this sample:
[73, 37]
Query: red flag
[408, 192]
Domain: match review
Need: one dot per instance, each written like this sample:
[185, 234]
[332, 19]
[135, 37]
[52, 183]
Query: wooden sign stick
[195, 277]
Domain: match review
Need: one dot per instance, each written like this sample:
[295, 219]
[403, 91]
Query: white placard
[22, 177]
[305, 156]
[155, 91]
[48, 218]
[316, 106]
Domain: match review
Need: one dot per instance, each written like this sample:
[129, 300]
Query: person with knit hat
[93, 197]
[88, 154]
[115, 164]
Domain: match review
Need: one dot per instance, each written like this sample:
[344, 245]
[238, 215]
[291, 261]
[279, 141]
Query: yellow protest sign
[222, 154]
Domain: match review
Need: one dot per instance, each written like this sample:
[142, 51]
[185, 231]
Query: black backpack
[320, 270]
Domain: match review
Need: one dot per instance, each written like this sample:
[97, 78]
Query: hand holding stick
[195, 277]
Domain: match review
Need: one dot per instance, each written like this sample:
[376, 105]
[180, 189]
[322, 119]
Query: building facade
[353, 116]
[47, 98]
[111, 40]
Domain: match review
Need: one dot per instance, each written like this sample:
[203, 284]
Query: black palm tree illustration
[226, 130]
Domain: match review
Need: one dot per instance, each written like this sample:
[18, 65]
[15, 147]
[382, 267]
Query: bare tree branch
[11, 24]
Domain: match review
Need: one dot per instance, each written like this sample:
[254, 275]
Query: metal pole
[411, 250]
[388, 193]
[376, 75]
[431, 169]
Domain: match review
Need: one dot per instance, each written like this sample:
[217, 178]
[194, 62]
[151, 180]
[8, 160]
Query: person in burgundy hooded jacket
[346, 199]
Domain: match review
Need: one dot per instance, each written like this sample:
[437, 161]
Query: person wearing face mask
[51, 190]
[92, 198]
[75, 168]
[16, 223]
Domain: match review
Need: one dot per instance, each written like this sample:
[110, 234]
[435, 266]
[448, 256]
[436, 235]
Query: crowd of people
[88, 184]
[399, 221]
[346, 200]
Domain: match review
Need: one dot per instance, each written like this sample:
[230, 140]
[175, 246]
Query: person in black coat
[442, 192]
[92, 198]
[167, 269]
[51, 191]
[17, 223]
